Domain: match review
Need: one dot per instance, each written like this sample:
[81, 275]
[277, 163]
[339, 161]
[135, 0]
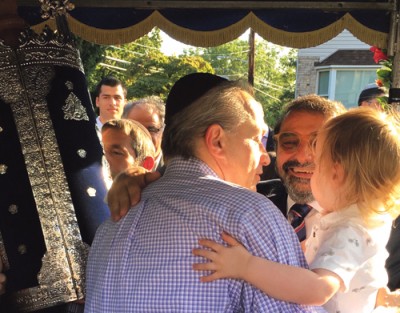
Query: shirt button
[91, 192]
[22, 249]
[13, 209]
[82, 153]
[3, 169]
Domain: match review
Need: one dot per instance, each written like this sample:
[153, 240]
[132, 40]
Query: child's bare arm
[387, 298]
[225, 262]
[280, 281]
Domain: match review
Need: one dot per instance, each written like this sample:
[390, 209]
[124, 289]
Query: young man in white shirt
[110, 100]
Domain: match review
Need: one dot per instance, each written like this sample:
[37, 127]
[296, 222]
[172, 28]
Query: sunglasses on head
[290, 141]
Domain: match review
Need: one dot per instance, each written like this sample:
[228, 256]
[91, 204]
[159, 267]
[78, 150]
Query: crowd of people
[193, 227]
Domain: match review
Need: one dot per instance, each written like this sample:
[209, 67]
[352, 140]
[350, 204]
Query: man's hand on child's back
[126, 190]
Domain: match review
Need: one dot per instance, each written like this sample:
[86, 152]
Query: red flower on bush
[384, 73]
[379, 83]
[379, 55]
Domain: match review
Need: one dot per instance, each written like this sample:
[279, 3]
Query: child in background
[357, 182]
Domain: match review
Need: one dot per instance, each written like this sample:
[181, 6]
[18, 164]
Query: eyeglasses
[290, 142]
[153, 129]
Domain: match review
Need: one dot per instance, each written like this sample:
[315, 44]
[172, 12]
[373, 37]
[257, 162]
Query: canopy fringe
[320, 36]
[218, 37]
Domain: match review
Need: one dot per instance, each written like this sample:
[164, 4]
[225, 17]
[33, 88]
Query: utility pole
[251, 57]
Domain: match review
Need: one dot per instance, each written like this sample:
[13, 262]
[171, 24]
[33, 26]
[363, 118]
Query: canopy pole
[394, 50]
[392, 32]
[396, 61]
[395, 36]
[251, 57]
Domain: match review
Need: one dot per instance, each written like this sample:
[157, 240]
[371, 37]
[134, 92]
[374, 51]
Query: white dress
[342, 243]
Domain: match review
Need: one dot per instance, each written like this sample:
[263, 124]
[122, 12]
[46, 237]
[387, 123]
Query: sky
[170, 46]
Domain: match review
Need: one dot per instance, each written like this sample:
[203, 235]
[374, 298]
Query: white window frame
[332, 75]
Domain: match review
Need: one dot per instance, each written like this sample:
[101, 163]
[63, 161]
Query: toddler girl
[357, 182]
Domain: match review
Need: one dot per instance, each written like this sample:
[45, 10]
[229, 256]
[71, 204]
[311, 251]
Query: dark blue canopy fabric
[296, 28]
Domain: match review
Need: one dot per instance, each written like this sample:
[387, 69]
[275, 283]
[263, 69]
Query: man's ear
[97, 101]
[215, 140]
[148, 163]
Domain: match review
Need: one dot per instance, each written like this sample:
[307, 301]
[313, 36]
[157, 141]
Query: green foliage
[384, 73]
[228, 60]
[91, 55]
[274, 72]
[145, 70]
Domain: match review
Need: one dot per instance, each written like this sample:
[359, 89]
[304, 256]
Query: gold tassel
[318, 37]
[200, 38]
[369, 36]
[221, 36]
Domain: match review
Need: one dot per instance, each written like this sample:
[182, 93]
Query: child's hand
[127, 188]
[226, 262]
[387, 298]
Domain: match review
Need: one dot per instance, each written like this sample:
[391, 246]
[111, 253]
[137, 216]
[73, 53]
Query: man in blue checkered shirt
[214, 156]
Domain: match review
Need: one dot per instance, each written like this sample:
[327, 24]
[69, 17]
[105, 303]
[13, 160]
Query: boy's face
[111, 102]
[118, 150]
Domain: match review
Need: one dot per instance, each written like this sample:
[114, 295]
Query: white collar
[99, 124]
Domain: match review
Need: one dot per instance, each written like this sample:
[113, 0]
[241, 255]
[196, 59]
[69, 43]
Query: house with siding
[337, 69]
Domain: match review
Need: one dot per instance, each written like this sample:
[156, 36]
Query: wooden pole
[251, 57]
[395, 33]
[396, 62]
[228, 4]
[394, 91]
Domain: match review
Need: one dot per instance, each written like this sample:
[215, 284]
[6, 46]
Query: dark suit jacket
[393, 261]
[274, 190]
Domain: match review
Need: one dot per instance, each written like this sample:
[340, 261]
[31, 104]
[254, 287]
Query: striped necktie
[296, 216]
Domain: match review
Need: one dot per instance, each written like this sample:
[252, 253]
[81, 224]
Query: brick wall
[306, 78]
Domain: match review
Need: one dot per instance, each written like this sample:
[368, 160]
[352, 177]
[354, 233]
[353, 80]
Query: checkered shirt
[143, 263]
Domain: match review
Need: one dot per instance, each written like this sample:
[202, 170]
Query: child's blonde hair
[366, 142]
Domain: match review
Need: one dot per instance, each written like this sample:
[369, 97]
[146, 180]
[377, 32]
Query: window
[323, 83]
[344, 85]
[349, 85]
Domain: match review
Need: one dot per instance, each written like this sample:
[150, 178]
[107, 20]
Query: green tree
[120, 60]
[91, 55]
[143, 68]
[162, 72]
[274, 72]
[228, 60]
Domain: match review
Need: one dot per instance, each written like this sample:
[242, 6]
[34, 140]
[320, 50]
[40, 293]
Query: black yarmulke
[188, 89]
